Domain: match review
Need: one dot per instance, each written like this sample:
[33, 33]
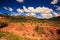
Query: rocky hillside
[29, 28]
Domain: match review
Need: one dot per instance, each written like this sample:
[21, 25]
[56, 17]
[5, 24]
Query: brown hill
[30, 27]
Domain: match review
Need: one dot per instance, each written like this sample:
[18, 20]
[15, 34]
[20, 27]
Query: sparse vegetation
[39, 30]
[3, 24]
[8, 36]
[36, 24]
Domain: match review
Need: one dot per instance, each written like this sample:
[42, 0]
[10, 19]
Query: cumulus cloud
[37, 10]
[25, 9]
[8, 8]
[58, 8]
[31, 14]
[20, 0]
[47, 15]
[59, 14]
[31, 9]
[5, 8]
[54, 2]
[44, 11]
[20, 10]
[55, 14]
[15, 15]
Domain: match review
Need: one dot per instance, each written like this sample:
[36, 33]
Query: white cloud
[55, 14]
[49, 15]
[25, 9]
[59, 14]
[58, 8]
[20, 10]
[5, 8]
[8, 8]
[15, 15]
[44, 11]
[31, 14]
[37, 10]
[31, 9]
[54, 2]
[20, 0]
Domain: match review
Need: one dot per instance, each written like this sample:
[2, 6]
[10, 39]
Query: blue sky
[16, 6]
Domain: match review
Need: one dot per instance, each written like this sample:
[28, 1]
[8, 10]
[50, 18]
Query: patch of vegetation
[3, 24]
[9, 36]
[21, 18]
[39, 30]
[15, 19]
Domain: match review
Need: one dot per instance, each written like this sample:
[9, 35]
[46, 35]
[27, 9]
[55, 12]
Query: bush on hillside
[3, 24]
[39, 30]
